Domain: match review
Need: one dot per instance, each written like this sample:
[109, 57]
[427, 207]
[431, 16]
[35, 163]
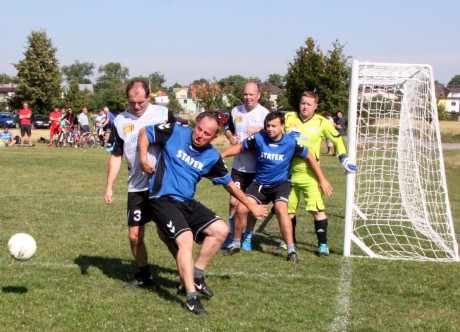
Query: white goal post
[397, 205]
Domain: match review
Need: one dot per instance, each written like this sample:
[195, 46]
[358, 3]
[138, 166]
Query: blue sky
[188, 40]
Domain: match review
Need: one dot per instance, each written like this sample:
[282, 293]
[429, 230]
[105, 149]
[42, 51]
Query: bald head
[251, 96]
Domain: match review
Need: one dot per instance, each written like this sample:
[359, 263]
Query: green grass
[74, 282]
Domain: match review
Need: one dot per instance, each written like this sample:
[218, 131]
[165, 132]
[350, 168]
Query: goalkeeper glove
[347, 163]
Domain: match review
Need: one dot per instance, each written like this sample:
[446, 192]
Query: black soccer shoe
[204, 289]
[231, 250]
[194, 305]
[200, 286]
[139, 281]
[292, 257]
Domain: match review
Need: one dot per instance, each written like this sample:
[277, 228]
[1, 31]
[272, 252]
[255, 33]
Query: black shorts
[242, 180]
[26, 129]
[139, 210]
[175, 217]
[266, 194]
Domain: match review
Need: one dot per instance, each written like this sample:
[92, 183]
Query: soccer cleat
[282, 246]
[204, 289]
[227, 243]
[246, 245]
[292, 257]
[139, 281]
[323, 250]
[194, 305]
[200, 286]
[231, 250]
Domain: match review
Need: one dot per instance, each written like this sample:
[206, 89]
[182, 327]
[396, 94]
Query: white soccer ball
[22, 246]
[2, 144]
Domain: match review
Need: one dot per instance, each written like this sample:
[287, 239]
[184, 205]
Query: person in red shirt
[55, 117]
[25, 118]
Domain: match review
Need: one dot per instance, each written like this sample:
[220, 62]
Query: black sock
[294, 223]
[144, 270]
[321, 230]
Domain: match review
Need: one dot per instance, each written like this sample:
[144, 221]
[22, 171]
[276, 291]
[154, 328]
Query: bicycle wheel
[93, 141]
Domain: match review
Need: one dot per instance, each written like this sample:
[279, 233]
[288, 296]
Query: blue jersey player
[185, 158]
[274, 153]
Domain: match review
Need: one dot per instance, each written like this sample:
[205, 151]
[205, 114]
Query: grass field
[74, 282]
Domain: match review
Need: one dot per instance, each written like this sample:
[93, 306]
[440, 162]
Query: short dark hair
[145, 85]
[272, 116]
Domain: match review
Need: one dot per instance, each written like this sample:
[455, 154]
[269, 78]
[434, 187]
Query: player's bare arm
[112, 173]
[143, 144]
[231, 151]
[231, 138]
[258, 211]
[323, 183]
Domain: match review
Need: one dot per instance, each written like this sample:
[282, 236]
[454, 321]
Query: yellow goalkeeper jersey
[310, 133]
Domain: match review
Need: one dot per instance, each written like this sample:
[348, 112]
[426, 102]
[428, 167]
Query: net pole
[350, 183]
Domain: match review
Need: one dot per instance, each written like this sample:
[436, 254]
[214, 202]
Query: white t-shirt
[241, 119]
[125, 135]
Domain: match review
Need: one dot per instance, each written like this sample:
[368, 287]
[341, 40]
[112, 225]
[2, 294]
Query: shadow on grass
[116, 268]
[14, 289]
[263, 237]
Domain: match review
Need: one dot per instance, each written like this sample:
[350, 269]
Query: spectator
[83, 121]
[55, 117]
[7, 137]
[25, 118]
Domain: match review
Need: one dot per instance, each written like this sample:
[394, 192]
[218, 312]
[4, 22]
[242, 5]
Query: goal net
[397, 205]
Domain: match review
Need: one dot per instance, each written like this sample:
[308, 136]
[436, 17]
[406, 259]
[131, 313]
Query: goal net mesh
[400, 203]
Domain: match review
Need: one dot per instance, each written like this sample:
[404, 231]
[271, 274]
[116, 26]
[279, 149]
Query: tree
[78, 71]
[76, 98]
[282, 102]
[157, 80]
[328, 75]
[109, 87]
[454, 81]
[201, 81]
[210, 96]
[277, 79]
[173, 104]
[5, 79]
[39, 77]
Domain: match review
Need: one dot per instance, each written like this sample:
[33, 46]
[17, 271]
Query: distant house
[273, 90]
[449, 96]
[7, 91]
[161, 98]
[187, 100]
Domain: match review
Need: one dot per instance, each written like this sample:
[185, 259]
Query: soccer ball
[22, 246]
[2, 144]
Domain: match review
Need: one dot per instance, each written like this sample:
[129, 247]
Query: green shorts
[308, 186]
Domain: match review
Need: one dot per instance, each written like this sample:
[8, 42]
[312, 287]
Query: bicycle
[88, 140]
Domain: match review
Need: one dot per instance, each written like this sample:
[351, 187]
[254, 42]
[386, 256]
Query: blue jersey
[180, 166]
[6, 136]
[273, 158]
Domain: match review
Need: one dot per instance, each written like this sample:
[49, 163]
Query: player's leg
[214, 236]
[239, 221]
[314, 204]
[138, 215]
[279, 194]
[294, 197]
[172, 219]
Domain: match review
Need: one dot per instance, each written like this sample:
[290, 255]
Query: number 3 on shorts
[137, 215]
